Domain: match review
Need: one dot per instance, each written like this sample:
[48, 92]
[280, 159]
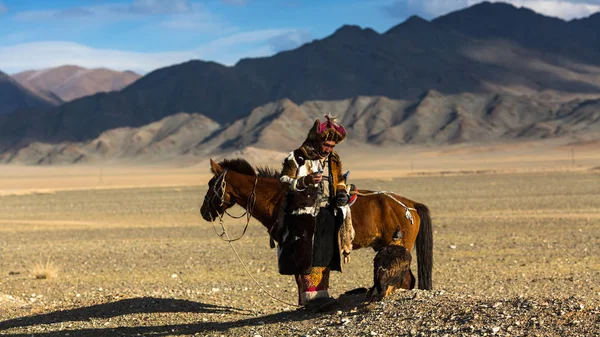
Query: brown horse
[375, 216]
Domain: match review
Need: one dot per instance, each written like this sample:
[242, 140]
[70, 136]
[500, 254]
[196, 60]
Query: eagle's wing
[391, 263]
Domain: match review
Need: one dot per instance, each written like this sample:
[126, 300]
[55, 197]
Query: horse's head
[217, 199]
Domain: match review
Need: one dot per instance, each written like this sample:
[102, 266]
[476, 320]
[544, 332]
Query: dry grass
[25, 192]
[44, 270]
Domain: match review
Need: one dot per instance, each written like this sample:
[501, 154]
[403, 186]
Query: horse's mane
[268, 172]
[242, 166]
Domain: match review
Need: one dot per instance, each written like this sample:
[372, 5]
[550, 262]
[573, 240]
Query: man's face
[327, 146]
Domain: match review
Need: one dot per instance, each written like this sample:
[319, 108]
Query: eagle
[391, 269]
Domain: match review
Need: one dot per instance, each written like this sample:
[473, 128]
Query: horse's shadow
[156, 305]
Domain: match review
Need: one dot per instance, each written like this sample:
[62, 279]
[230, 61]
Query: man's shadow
[153, 305]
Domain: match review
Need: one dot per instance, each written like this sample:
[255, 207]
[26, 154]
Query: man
[314, 232]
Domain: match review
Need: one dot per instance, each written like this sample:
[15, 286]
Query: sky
[144, 35]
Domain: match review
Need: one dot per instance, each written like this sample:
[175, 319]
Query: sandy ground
[363, 162]
[127, 253]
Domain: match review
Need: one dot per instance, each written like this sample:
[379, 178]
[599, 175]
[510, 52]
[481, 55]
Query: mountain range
[486, 50]
[71, 82]
[433, 119]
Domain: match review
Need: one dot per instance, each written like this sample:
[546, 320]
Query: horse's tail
[424, 248]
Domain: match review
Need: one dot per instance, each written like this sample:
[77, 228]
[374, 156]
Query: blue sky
[143, 35]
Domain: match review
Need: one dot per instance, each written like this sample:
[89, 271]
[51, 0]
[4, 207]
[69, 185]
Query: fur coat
[296, 232]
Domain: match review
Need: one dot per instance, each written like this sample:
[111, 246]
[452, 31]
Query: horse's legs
[298, 279]
[313, 285]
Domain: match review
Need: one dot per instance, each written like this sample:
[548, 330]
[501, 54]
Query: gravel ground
[139, 262]
[409, 313]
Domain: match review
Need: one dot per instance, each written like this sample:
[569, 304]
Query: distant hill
[72, 82]
[432, 118]
[276, 128]
[13, 96]
[165, 139]
[413, 57]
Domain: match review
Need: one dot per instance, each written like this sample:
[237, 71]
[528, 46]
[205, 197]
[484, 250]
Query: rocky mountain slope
[163, 139]
[431, 119]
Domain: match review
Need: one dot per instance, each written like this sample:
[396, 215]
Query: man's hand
[313, 178]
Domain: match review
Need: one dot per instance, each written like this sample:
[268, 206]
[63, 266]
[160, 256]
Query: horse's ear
[215, 168]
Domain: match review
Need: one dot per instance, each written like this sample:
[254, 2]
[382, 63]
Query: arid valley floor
[126, 252]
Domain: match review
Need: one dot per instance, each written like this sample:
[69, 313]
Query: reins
[248, 212]
[249, 206]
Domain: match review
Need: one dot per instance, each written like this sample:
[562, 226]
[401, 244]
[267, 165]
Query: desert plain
[121, 250]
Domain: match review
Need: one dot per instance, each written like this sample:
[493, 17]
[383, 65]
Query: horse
[376, 216]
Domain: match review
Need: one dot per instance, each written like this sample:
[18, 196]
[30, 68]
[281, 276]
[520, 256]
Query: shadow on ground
[161, 305]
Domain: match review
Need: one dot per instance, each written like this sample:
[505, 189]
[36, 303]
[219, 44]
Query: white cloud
[248, 37]
[17, 37]
[290, 40]
[75, 12]
[172, 14]
[227, 50]
[157, 14]
[35, 15]
[198, 21]
[260, 51]
[235, 2]
[558, 8]
[26, 56]
[54, 14]
[160, 6]
[116, 12]
[562, 9]
[425, 8]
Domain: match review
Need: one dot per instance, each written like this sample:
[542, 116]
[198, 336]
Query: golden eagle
[391, 269]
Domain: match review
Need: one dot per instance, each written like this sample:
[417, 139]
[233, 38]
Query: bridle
[219, 192]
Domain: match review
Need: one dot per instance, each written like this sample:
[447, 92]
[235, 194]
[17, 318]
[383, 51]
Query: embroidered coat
[296, 233]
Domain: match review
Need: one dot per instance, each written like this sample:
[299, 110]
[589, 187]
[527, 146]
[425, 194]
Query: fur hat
[327, 130]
